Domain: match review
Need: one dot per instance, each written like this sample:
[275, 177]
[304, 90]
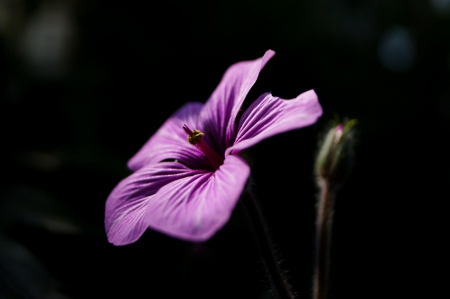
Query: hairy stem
[324, 224]
[280, 287]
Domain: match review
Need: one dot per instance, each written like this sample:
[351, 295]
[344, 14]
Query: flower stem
[280, 286]
[324, 224]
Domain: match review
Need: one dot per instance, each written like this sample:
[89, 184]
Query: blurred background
[83, 84]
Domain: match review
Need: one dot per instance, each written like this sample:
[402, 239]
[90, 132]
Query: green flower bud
[335, 157]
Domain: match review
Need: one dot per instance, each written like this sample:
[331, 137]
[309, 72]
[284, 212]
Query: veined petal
[194, 208]
[270, 115]
[220, 111]
[127, 204]
[169, 142]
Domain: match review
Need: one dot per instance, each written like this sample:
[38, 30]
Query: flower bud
[335, 157]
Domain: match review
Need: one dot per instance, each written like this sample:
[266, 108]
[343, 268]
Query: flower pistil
[195, 137]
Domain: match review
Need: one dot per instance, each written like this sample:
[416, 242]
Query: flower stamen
[195, 137]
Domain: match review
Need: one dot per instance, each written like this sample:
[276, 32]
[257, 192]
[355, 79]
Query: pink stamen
[215, 159]
[187, 130]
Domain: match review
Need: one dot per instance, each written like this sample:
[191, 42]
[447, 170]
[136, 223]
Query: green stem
[323, 240]
[280, 287]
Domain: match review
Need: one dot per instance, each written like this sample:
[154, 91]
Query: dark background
[83, 84]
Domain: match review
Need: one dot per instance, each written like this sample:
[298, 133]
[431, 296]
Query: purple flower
[188, 188]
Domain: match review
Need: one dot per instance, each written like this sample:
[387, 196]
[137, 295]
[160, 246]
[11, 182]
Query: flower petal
[127, 204]
[169, 142]
[195, 207]
[270, 115]
[220, 111]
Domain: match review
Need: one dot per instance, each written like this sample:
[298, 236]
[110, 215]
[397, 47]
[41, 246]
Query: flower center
[195, 137]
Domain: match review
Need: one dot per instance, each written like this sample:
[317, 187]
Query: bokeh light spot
[396, 50]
